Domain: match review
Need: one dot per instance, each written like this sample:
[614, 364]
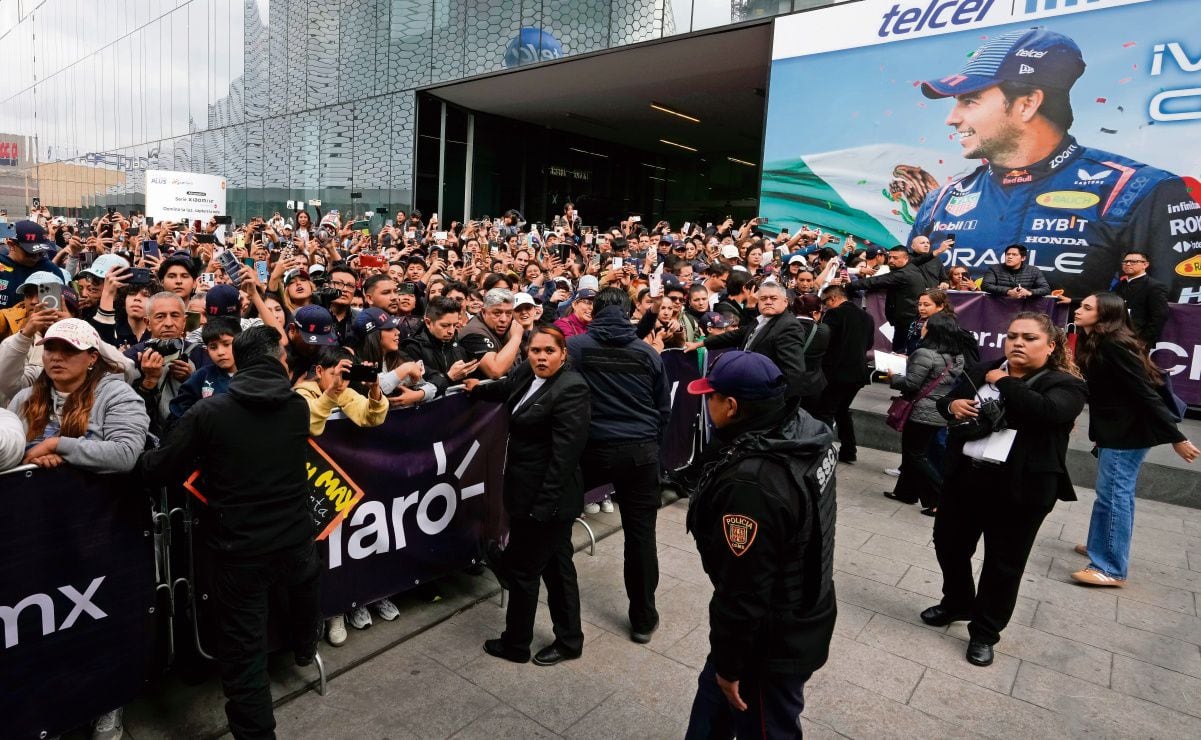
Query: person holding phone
[446, 361]
[29, 251]
[549, 414]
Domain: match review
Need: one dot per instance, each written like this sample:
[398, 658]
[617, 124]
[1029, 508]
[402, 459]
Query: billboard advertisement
[184, 196]
[1066, 126]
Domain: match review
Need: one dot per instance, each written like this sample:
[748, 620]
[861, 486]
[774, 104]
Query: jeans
[920, 480]
[773, 707]
[1112, 524]
[633, 469]
[241, 587]
[542, 550]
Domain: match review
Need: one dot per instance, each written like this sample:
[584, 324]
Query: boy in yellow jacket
[331, 390]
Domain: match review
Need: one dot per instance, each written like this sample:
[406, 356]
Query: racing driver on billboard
[1077, 209]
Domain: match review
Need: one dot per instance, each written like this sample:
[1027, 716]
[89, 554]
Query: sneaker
[336, 634]
[385, 610]
[606, 506]
[108, 726]
[591, 508]
[360, 618]
[1093, 577]
[894, 472]
[1081, 550]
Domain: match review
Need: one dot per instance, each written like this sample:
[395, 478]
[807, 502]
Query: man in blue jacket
[630, 408]
[28, 253]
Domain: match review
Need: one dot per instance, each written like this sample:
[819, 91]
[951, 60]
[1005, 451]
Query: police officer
[763, 518]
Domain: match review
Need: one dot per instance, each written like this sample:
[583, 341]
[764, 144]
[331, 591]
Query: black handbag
[990, 417]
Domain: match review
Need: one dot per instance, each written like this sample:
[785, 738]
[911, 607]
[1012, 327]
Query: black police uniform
[763, 519]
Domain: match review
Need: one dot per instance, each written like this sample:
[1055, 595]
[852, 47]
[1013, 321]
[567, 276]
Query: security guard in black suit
[763, 519]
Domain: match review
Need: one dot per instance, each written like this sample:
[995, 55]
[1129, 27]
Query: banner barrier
[76, 598]
[1179, 351]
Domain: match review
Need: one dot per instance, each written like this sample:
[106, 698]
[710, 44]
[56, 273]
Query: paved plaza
[1075, 662]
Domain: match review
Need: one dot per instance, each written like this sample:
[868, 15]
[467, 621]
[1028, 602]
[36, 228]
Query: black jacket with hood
[251, 445]
[629, 389]
[763, 518]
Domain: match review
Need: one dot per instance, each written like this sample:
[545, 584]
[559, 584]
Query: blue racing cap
[316, 326]
[714, 320]
[223, 300]
[374, 319]
[746, 375]
[1032, 56]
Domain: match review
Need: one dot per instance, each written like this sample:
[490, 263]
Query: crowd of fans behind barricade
[114, 327]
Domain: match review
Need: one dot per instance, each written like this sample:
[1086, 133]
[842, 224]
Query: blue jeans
[774, 704]
[1112, 524]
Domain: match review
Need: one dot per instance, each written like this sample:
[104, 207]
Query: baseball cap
[583, 294]
[729, 251]
[298, 274]
[714, 320]
[223, 300]
[797, 258]
[75, 332]
[41, 277]
[374, 319]
[316, 326]
[32, 237]
[314, 269]
[671, 282]
[589, 282]
[1033, 56]
[744, 375]
[871, 253]
[104, 264]
[522, 299]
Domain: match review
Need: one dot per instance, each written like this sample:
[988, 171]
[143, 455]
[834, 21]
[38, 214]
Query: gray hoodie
[116, 428]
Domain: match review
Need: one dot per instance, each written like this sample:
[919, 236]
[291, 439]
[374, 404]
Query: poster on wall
[179, 196]
[1066, 126]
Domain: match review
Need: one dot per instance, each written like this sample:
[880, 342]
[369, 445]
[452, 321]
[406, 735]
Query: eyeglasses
[343, 286]
[1132, 262]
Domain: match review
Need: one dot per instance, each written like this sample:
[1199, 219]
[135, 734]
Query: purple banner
[1179, 351]
[985, 316]
[431, 478]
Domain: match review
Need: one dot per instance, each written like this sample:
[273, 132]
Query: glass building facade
[287, 99]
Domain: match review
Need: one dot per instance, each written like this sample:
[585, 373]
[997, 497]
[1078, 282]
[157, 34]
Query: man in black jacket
[630, 407]
[446, 361]
[904, 282]
[776, 334]
[251, 445]
[851, 335]
[763, 518]
[1013, 278]
[1146, 298]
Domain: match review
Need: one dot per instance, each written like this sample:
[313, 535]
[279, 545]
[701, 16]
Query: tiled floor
[1074, 661]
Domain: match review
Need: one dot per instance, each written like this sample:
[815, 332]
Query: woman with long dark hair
[377, 340]
[932, 371]
[549, 412]
[80, 411]
[930, 302]
[1127, 418]
[998, 493]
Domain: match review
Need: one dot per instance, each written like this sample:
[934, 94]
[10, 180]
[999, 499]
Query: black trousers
[975, 505]
[834, 408]
[773, 707]
[633, 469]
[920, 480]
[241, 587]
[541, 551]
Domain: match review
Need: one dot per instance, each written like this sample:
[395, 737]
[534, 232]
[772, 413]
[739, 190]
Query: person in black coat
[1126, 419]
[1005, 502]
[1146, 298]
[543, 494]
[904, 282]
[776, 334]
[251, 444]
[852, 331]
[808, 310]
[446, 361]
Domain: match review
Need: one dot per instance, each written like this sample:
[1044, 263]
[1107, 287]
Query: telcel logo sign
[937, 14]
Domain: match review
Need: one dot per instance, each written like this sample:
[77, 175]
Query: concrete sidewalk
[1074, 662]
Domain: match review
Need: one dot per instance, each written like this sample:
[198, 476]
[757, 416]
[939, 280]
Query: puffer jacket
[923, 367]
[116, 428]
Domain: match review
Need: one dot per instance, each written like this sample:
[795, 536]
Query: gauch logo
[81, 603]
[374, 528]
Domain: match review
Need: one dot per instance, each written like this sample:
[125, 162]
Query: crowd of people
[138, 345]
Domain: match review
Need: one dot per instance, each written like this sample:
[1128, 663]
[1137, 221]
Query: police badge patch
[740, 532]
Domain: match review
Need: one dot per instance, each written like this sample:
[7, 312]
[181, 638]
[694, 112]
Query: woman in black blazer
[1126, 419]
[544, 492]
[1004, 502]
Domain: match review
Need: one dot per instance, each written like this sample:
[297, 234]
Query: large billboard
[1068, 126]
[184, 196]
